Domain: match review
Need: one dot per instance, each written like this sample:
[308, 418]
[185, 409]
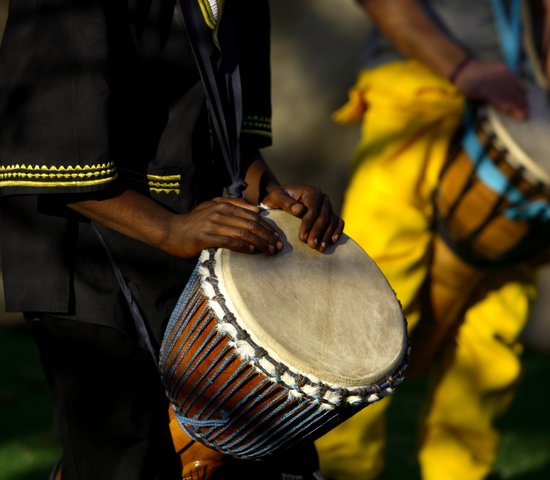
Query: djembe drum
[263, 352]
[492, 210]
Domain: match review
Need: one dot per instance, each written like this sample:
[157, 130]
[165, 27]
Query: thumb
[280, 198]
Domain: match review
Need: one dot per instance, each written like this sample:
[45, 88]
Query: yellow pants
[408, 118]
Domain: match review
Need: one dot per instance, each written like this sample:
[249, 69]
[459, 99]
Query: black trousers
[110, 409]
[111, 412]
[109, 402]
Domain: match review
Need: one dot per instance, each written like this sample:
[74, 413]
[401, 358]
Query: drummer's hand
[321, 226]
[493, 82]
[231, 223]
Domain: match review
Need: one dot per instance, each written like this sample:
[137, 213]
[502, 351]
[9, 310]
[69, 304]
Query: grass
[525, 428]
[28, 446]
[525, 450]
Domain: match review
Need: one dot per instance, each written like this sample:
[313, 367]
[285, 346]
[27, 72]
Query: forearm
[259, 178]
[131, 214]
[235, 223]
[218, 223]
[414, 34]
[141, 218]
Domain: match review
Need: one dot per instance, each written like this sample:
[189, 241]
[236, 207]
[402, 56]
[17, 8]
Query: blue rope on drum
[253, 394]
[241, 370]
[236, 441]
[282, 419]
[175, 373]
[268, 439]
[508, 23]
[270, 407]
[189, 297]
[521, 208]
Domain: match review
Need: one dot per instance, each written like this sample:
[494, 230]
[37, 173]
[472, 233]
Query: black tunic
[94, 94]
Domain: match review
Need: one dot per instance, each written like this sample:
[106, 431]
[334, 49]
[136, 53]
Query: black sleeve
[253, 38]
[54, 98]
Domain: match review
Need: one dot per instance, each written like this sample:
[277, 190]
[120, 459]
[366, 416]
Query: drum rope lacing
[520, 205]
[281, 392]
[220, 74]
[278, 402]
[298, 383]
[514, 202]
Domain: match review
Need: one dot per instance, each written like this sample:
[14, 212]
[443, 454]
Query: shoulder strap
[508, 23]
[225, 107]
[223, 90]
[139, 322]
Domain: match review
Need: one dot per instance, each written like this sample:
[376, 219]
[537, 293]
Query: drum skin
[236, 382]
[331, 315]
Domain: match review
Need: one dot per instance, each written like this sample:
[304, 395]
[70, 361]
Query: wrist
[459, 68]
[172, 238]
[261, 182]
[267, 185]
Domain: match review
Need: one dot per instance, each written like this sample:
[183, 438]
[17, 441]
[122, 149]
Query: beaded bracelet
[459, 67]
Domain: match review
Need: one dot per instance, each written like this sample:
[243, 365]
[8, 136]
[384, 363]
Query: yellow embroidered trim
[164, 190]
[257, 126]
[153, 183]
[164, 183]
[164, 178]
[263, 133]
[54, 176]
[62, 168]
[76, 183]
[207, 14]
[257, 122]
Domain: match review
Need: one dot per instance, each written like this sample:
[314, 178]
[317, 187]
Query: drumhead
[527, 142]
[330, 315]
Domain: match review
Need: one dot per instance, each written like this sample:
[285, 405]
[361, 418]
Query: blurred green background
[315, 52]
[28, 446]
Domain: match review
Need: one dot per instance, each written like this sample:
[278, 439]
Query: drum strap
[224, 95]
[508, 23]
[225, 107]
[139, 322]
[143, 331]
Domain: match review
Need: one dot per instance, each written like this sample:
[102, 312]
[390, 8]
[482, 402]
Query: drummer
[421, 61]
[103, 119]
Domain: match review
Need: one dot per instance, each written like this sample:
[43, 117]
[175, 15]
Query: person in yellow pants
[388, 210]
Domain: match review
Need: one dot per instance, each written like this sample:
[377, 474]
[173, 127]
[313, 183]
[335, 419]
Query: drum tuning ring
[260, 352]
[376, 389]
[209, 263]
[344, 392]
[242, 335]
[300, 380]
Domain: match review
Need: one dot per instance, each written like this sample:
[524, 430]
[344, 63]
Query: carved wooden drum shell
[263, 352]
